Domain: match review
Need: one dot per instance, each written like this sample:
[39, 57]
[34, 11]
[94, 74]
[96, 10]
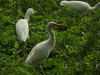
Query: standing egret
[42, 50]
[79, 7]
[22, 28]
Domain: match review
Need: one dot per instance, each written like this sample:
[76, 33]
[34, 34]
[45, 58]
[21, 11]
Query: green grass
[77, 49]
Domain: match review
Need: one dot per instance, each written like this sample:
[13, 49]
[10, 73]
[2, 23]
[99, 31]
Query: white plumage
[79, 6]
[42, 50]
[22, 28]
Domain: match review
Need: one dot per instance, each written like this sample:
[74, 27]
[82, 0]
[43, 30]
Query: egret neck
[51, 35]
[97, 6]
[27, 16]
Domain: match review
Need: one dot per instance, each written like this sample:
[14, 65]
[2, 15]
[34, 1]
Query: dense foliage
[77, 46]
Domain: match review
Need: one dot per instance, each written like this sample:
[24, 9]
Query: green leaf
[16, 44]
[23, 71]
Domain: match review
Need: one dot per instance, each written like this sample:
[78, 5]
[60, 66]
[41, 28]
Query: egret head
[31, 11]
[63, 3]
[53, 24]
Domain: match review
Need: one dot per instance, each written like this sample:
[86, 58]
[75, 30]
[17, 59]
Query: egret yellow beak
[59, 25]
[34, 11]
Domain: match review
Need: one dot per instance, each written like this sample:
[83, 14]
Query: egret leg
[42, 69]
[81, 17]
[19, 51]
[28, 42]
[39, 68]
[75, 15]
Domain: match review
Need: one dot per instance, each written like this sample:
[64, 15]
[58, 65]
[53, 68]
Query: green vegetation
[77, 46]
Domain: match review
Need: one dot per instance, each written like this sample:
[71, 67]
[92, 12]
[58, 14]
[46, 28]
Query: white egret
[42, 50]
[79, 6]
[22, 28]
